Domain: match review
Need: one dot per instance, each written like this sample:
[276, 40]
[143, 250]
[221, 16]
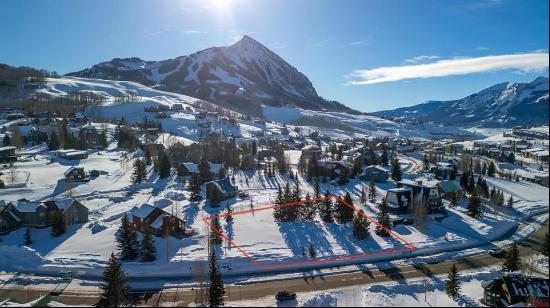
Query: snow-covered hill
[241, 76]
[502, 105]
[183, 122]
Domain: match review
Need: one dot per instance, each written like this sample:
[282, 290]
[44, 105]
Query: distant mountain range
[502, 105]
[242, 76]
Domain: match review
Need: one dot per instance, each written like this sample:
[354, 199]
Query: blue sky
[353, 51]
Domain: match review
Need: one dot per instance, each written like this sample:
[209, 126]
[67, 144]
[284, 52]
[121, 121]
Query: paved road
[185, 297]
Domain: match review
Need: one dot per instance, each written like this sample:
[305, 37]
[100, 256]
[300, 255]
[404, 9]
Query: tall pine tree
[474, 205]
[383, 219]
[396, 169]
[512, 262]
[215, 237]
[114, 289]
[452, 284]
[360, 226]
[127, 242]
[326, 208]
[148, 249]
[216, 289]
[344, 210]
[139, 174]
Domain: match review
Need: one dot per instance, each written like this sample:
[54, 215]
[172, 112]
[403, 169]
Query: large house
[162, 223]
[9, 221]
[223, 187]
[515, 290]
[399, 200]
[376, 174]
[41, 214]
[424, 190]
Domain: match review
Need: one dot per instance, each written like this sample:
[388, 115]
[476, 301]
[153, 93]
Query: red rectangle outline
[325, 260]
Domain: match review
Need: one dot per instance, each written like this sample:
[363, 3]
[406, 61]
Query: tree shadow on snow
[300, 235]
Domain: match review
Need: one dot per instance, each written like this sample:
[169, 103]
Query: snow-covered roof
[64, 204]
[143, 211]
[27, 207]
[7, 148]
[375, 168]
[158, 222]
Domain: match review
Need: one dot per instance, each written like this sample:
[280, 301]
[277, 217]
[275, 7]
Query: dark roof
[224, 185]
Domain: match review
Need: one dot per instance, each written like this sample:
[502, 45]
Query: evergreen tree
[194, 186]
[53, 142]
[216, 289]
[115, 286]
[363, 195]
[544, 247]
[277, 211]
[139, 174]
[297, 193]
[6, 141]
[215, 237]
[372, 192]
[28, 239]
[383, 219]
[510, 202]
[312, 252]
[464, 180]
[317, 189]
[512, 262]
[344, 176]
[491, 169]
[58, 225]
[452, 284]
[360, 226]
[228, 216]
[148, 250]
[344, 211]
[396, 170]
[164, 167]
[103, 143]
[384, 158]
[127, 242]
[326, 208]
[474, 205]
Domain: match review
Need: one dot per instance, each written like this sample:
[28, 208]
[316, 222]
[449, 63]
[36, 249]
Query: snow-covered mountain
[502, 105]
[242, 76]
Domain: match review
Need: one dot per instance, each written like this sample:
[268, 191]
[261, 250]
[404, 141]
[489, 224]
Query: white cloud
[449, 67]
[421, 59]
[482, 48]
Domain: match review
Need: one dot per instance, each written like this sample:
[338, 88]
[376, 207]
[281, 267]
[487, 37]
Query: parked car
[285, 296]
[496, 252]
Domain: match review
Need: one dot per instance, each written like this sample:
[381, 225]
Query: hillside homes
[40, 214]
